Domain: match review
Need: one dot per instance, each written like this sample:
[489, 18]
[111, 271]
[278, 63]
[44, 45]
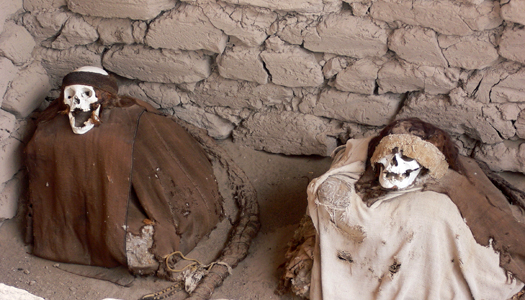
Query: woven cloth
[410, 244]
[82, 187]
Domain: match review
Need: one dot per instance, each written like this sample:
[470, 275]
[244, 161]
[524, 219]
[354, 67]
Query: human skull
[84, 109]
[398, 171]
[83, 104]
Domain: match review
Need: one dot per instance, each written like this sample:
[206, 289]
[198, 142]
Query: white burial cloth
[410, 244]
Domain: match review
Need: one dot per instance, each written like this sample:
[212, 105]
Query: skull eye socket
[403, 157]
[69, 93]
[406, 158]
[86, 93]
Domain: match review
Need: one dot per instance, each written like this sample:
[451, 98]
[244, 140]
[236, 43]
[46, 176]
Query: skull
[398, 171]
[82, 102]
[84, 109]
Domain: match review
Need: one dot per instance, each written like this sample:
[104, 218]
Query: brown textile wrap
[487, 213]
[81, 185]
[175, 185]
[104, 82]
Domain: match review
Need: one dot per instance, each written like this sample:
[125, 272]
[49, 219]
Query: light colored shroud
[411, 244]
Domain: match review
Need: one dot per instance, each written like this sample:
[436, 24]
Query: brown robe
[82, 186]
[487, 213]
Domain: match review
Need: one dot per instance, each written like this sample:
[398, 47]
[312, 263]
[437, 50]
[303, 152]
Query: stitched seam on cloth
[130, 187]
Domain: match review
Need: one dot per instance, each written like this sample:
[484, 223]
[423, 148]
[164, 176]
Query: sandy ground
[280, 182]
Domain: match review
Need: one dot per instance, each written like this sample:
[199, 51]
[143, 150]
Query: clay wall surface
[294, 77]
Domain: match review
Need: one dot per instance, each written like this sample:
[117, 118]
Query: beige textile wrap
[410, 244]
[414, 147]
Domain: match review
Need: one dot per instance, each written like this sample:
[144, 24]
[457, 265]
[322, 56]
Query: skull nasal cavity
[394, 161]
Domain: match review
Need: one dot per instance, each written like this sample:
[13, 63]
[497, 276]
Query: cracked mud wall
[294, 77]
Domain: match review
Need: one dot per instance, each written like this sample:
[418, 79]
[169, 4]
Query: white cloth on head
[410, 244]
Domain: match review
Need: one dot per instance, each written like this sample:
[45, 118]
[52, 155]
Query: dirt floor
[280, 182]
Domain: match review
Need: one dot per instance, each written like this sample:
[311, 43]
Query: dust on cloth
[411, 244]
[81, 186]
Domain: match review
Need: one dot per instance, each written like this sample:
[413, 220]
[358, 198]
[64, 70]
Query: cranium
[84, 109]
[398, 171]
[83, 104]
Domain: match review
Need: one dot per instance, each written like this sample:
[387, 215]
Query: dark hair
[106, 99]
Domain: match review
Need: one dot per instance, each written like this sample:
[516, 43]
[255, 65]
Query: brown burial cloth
[81, 185]
[487, 212]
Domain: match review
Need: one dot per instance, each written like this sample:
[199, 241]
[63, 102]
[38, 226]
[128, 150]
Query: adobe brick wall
[292, 77]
